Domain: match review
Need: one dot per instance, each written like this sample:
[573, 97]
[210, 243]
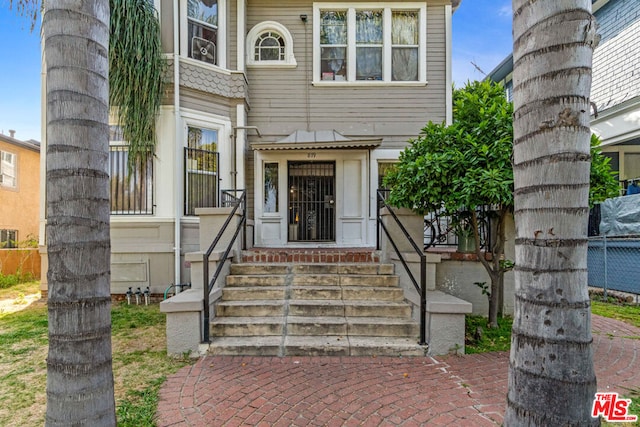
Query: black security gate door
[312, 215]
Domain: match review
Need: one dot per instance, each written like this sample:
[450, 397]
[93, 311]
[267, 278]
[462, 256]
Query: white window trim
[289, 59]
[192, 118]
[221, 47]
[351, 45]
[14, 156]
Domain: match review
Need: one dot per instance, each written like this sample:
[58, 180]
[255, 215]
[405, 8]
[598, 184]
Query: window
[201, 169]
[8, 238]
[202, 27]
[131, 190]
[8, 169]
[269, 44]
[371, 43]
[270, 187]
[269, 47]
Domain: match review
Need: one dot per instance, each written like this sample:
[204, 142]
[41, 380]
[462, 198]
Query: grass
[627, 313]
[487, 340]
[140, 363]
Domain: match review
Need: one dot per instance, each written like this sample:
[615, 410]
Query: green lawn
[140, 363]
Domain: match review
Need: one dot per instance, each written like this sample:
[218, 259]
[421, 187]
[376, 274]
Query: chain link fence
[614, 263]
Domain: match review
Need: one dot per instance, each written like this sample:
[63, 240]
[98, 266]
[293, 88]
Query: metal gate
[312, 216]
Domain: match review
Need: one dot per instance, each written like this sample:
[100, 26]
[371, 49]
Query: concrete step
[347, 293]
[253, 293]
[256, 280]
[349, 308]
[346, 280]
[315, 346]
[246, 326]
[345, 326]
[382, 327]
[250, 308]
[250, 269]
[370, 269]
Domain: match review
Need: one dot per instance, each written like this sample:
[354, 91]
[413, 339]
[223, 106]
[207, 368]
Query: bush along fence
[613, 263]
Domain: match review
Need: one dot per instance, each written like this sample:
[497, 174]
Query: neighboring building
[19, 190]
[615, 89]
[300, 103]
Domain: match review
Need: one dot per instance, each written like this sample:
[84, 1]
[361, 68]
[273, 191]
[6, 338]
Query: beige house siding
[278, 96]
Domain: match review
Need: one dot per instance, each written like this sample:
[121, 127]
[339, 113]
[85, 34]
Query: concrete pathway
[465, 390]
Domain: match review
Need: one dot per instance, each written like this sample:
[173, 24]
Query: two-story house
[301, 104]
[19, 190]
[615, 88]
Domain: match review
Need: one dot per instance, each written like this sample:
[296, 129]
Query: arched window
[269, 44]
[269, 47]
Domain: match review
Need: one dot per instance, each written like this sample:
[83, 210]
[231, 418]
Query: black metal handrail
[421, 288]
[208, 285]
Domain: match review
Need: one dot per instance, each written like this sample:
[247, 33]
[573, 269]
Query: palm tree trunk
[551, 377]
[79, 373]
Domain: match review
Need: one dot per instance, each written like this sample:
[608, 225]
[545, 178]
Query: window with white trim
[371, 42]
[202, 165]
[202, 29]
[8, 177]
[269, 44]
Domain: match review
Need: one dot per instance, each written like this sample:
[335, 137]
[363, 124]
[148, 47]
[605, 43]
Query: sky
[481, 36]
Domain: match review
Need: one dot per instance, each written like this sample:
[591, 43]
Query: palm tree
[79, 369]
[551, 377]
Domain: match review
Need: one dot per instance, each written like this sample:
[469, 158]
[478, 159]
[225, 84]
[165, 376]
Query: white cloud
[505, 11]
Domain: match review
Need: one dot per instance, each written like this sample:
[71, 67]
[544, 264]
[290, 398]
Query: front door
[312, 213]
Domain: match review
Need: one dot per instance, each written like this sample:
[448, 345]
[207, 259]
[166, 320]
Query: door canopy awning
[316, 140]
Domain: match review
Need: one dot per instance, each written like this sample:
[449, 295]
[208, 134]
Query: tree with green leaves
[461, 167]
[458, 168]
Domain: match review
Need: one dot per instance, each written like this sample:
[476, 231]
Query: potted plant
[463, 229]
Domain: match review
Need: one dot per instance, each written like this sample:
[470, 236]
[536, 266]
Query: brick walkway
[369, 391]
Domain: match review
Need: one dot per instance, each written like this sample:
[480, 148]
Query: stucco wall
[19, 207]
[457, 277]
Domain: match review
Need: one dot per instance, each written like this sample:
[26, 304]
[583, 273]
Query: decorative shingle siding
[194, 76]
[616, 60]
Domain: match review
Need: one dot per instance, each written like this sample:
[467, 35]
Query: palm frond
[136, 67]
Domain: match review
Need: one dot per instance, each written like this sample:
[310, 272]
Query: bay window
[370, 42]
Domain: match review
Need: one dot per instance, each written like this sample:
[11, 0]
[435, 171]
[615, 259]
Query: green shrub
[9, 280]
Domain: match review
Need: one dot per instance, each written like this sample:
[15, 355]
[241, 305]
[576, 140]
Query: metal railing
[208, 285]
[130, 189]
[422, 287]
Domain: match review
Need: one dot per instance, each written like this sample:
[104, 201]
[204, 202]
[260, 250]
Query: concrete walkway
[370, 391]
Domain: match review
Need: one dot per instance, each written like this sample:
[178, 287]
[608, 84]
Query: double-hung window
[202, 184]
[371, 42]
[202, 28]
[8, 169]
